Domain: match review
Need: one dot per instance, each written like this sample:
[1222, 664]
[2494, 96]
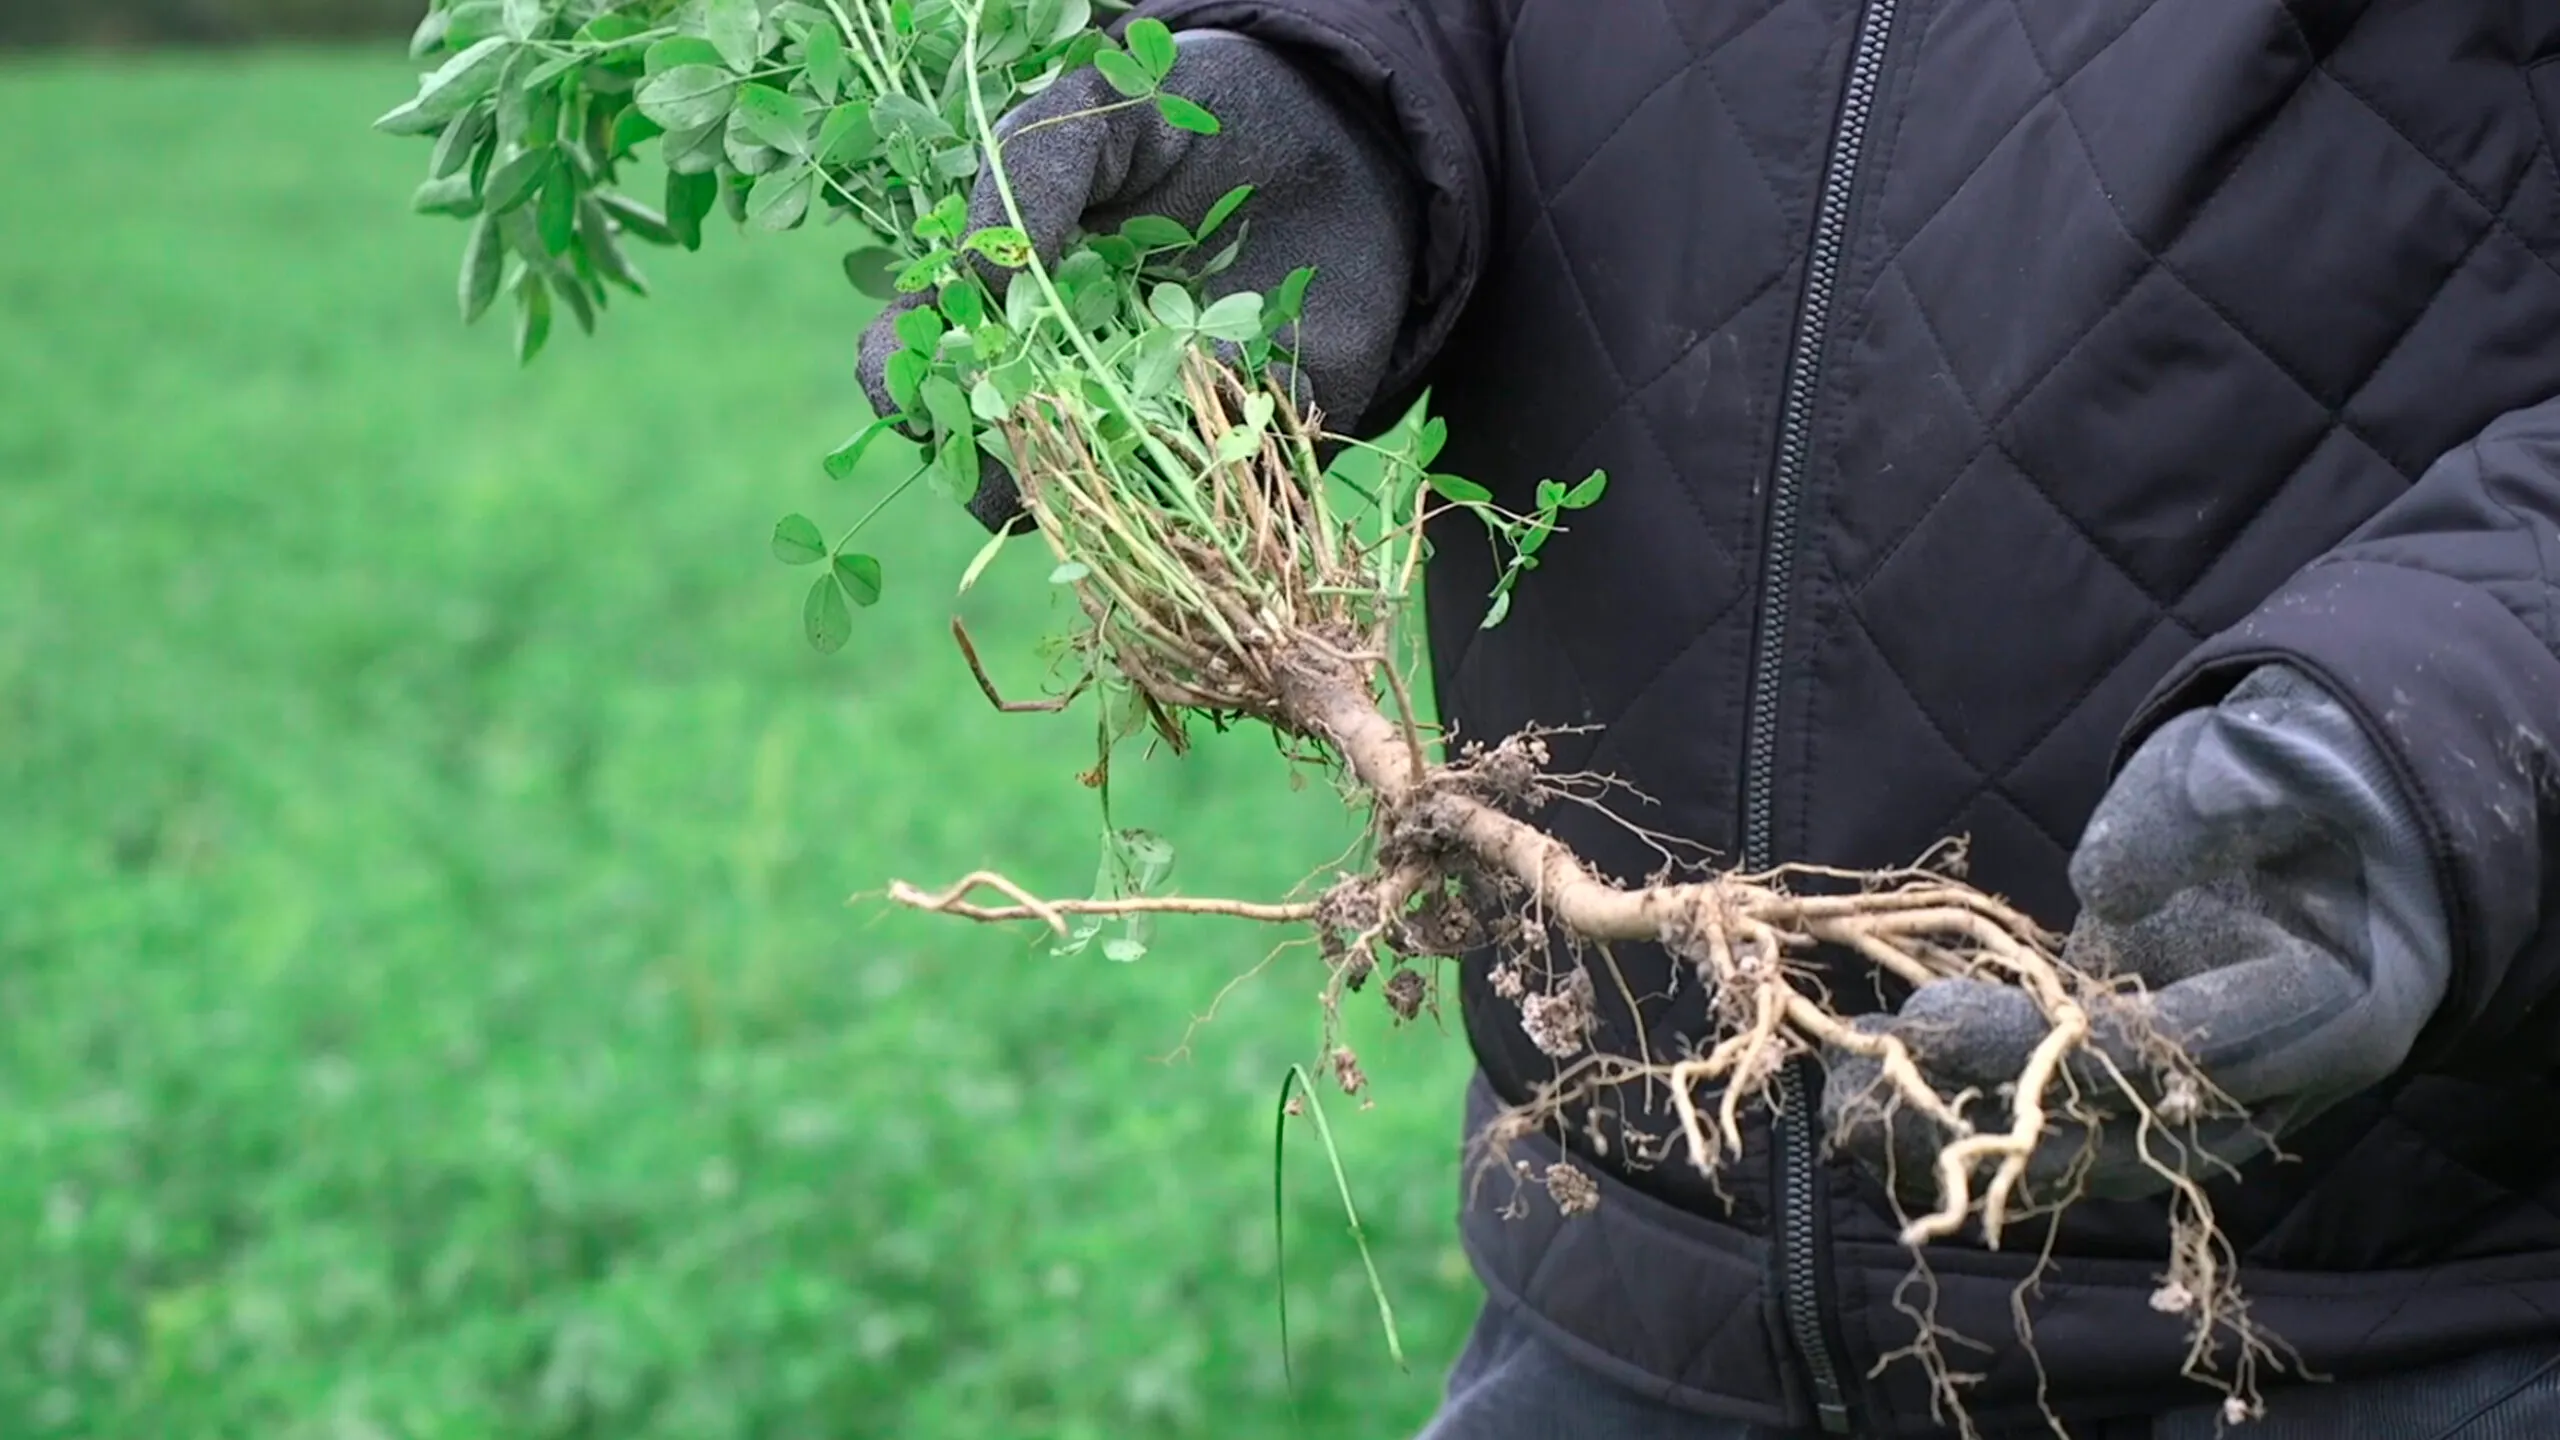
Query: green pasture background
[430, 1001]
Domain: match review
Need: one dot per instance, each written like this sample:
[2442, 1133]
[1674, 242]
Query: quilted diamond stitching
[1991, 438]
[2451, 175]
[2235, 324]
[1994, 778]
[1547, 195]
[1892, 257]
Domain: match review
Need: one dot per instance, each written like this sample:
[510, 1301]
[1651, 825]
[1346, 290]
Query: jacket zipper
[1800, 1278]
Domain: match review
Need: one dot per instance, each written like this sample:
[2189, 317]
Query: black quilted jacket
[1978, 380]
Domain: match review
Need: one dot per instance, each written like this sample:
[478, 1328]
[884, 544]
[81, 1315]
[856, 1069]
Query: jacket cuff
[2457, 694]
[1386, 83]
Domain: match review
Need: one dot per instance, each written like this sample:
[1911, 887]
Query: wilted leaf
[1003, 244]
[1463, 491]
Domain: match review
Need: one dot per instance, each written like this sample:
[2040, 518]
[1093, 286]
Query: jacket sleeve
[2438, 623]
[1429, 69]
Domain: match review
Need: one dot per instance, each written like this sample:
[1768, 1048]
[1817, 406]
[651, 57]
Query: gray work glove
[2257, 868]
[1330, 191]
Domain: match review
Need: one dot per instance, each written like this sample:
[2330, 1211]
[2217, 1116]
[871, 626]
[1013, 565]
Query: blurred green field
[429, 1001]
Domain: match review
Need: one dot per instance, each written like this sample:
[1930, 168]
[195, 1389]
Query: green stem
[1088, 113]
[859, 49]
[883, 503]
[1105, 374]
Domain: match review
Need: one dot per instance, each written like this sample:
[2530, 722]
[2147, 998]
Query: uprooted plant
[1231, 560]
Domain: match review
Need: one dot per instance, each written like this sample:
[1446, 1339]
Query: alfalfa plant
[1227, 568]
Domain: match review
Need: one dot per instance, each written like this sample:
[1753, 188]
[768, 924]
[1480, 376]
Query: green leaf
[945, 220]
[459, 142]
[873, 271]
[1428, 437]
[1159, 360]
[1002, 244]
[636, 218]
[551, 70]
[949, 407]
[596, 239]
[451, 195]
[696, 151]
[1587, 492]
[959, 162]
[558, 216]
[904, 375]
[780, 199]
[847, 136]
[731, 26]
[1236, 318]
[533, 316]
[451, 88]
[1226, 206]
[483, 260]
[1464, 492]
[920, 330]
[1155, 232]
[1125, 74]
[1291, 301]
[778, 119]
[678, 50]
[523, 19]
[1235, 445]
[688, 97]
[823, 616]
[1150, 43]
[860, 576]
[1184, 114]
[826, 62]
[1173, 305]
[964, 304]
[986, 401]
[689, 199]
[429, 36]
[842, 461]
[956, 469]
[899, 115]
[631, 130]
[513, 182]
[1550, 494]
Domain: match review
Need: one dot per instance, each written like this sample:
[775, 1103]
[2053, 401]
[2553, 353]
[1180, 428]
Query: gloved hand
[2255, 865]
[1331, 191]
